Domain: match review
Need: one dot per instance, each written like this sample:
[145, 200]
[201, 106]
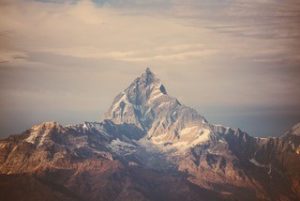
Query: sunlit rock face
[149, 147]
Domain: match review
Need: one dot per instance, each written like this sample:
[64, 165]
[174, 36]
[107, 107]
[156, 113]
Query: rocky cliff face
[150, 147]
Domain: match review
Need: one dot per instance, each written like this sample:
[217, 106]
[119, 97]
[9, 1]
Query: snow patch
[122, 99]
[188, 138]
[296, 130]
[159, 139]
[155, 94]
[85, 126]
[38, 136]
[256, 163]
[270, 169]
[189, 130]
[121, 147]
[32, 137]
[203, 137]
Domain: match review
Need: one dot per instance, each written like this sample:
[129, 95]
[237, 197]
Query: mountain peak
[148, 78]
[146, 104]
[142, 94]
[148, 74]
[294, 131]
[39, 134]
[148, 71]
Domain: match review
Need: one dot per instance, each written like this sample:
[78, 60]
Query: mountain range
[149, 147]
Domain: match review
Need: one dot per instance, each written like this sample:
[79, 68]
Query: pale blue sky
[237, 62]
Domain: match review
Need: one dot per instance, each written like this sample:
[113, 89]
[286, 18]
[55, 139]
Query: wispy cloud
[7, 56]
[107, 30]
[177, 52]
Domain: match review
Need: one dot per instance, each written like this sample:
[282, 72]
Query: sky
[237, 62]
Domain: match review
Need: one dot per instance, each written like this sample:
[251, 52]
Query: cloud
[177, 52]
[8, 56]
[86, 30]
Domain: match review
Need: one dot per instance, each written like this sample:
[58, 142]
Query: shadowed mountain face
[152, 148]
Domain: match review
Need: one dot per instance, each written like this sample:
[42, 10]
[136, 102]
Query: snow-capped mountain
[295, 130]
[149, 147]
[146, 104]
